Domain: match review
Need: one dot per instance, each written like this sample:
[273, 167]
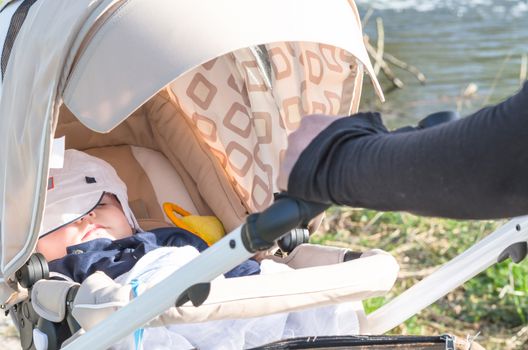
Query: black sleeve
[473, 168]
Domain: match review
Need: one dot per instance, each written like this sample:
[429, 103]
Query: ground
[8, 334]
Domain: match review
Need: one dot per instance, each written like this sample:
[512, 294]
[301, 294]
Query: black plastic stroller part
[196, 294]
[287, 213]
[27, 319]
[361, 342]
[351, 255]
[431, 120]
[73, 325]
[517, 252]
[289, 241]
[437, 119]
[293, 239]
[36, 268]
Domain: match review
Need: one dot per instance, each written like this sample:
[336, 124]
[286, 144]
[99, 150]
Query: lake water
[454, 43]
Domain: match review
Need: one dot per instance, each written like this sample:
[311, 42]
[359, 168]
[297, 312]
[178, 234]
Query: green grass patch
[494, 303]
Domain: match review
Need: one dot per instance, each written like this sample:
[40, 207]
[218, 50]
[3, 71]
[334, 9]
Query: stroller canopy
[104, 59]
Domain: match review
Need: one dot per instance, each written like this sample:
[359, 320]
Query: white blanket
[231, 334]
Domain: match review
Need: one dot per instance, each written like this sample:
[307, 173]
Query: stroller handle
[285, 214]
[288, 212]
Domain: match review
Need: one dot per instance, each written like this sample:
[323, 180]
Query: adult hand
[298, 140]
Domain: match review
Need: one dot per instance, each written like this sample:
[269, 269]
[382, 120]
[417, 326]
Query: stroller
[192, 103]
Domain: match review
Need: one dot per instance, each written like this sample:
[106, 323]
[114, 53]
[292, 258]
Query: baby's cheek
[53, 246]
[46, 249]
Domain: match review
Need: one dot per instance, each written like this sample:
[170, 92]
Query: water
[454, 43]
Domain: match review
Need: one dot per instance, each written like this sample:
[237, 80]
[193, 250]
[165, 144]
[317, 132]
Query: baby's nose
[87, 217]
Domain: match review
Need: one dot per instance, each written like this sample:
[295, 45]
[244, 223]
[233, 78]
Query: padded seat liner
[140, 168]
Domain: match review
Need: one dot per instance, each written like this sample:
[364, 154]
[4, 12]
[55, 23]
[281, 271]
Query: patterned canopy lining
[245, 104]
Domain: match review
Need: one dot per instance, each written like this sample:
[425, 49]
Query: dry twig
[382, 59]
[366, 18]
[519, 339]
[385, 67]
[404, 65]
[380, 45]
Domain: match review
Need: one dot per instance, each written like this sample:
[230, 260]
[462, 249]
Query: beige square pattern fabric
[244, 115]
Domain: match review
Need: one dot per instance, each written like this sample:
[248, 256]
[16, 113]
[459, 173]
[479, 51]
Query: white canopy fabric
[140, 50]
[28, 106]
[105, 58]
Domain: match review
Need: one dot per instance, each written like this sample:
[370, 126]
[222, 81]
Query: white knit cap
[77, 188]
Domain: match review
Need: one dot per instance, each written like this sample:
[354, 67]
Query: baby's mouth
[92, 231]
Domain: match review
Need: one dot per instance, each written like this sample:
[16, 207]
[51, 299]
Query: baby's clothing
[119, 256]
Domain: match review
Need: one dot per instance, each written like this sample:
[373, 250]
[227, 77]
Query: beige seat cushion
[151, 180]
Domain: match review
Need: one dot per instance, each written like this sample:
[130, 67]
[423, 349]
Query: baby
[88, 225]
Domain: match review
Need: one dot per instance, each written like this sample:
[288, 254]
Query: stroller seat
[320, 276]
[152, 179]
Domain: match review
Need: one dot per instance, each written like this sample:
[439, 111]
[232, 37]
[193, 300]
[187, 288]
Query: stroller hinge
[196, 294]
[285, 214]
[36, 268]
[517, 252]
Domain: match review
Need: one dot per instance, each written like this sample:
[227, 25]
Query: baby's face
[107, 220]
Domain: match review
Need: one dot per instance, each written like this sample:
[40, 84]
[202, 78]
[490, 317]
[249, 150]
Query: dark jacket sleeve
[473, 168]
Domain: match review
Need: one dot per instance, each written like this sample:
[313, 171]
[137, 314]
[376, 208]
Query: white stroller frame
[231, 250]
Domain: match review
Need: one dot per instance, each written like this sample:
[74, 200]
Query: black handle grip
[431, 120]
[285, 214]
[437, 119]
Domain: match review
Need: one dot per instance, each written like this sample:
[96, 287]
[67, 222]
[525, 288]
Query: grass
[493, 304]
